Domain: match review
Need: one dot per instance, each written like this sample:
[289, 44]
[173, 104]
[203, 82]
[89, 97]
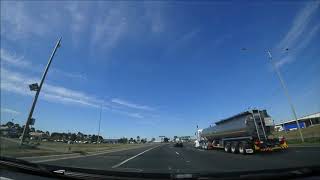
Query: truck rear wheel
[227, 147]
[242, 148]
[234, 147]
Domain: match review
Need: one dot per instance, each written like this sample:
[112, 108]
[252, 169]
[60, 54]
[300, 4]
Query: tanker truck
[245, 133]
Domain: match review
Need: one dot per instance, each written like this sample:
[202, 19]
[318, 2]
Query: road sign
[34, 87]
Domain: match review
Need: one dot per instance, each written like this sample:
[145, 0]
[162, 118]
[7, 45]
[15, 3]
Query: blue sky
[157, 68]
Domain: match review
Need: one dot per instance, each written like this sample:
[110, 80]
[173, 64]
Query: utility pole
[35, 87]
[99, 124]
[287, 94]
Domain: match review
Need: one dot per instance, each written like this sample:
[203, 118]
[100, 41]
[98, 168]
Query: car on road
[178, 144]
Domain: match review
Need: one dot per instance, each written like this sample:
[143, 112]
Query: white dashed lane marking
[117, 165]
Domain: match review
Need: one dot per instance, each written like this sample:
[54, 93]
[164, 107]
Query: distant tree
[9, 124]
[47, 133]
[56, 136]
[166, 139]
[100, 138]
[153, 139]
[138, 138]
[73, 137]
[32, 129]
[123, 140]
[84, 137]
[94, 138]
[18, 129]
[64, 136]
[81, 136]
[143, 140]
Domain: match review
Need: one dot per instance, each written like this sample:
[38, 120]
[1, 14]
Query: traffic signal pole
[38, 89]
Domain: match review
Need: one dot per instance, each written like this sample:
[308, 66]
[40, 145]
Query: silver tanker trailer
[243, 133]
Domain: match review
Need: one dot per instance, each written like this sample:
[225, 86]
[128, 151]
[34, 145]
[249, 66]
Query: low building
[304, 122]
[37, 135]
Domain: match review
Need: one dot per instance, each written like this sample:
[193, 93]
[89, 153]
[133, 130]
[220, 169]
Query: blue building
[304, 122]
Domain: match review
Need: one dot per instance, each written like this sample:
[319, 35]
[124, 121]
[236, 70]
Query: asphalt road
[166, 158]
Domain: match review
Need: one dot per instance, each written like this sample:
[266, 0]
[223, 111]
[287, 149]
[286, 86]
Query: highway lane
[166, 158]
[101, 161]
[188, 159]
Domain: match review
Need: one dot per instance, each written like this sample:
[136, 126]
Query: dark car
[178, 144]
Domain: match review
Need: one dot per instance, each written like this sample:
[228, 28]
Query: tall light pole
[37, 88]
[285, 91]
[287, 94]
[99, 125]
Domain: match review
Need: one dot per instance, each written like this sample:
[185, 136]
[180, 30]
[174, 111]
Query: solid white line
[177, 153]
[117, 165]
[4, 178]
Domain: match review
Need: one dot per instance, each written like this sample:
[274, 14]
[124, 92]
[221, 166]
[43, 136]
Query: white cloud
[106, 23]
[18, 83]
[13, 59]
[154, 13]
[130, 114]
[22, 20]
[18, 23]
[136, 115]
[131, 105]
[300, 34]
[110, 28]
[117, 21]
[299, 25]
[15, 82]
[291, 56]
[78, 19]
[10, 111]
[10, 58]
[70, 75]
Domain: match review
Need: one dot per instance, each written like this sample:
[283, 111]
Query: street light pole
[99, 124]
[287, 94]
[38, 89]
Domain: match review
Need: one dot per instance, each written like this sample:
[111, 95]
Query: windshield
[151, 86]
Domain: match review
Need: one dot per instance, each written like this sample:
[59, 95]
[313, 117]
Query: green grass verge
[311, 135]
[11, 147]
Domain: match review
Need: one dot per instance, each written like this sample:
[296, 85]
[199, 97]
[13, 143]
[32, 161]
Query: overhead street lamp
[285, 89]
[98, 139]
[37, 88]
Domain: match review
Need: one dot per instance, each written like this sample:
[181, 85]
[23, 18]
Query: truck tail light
[282, 140]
